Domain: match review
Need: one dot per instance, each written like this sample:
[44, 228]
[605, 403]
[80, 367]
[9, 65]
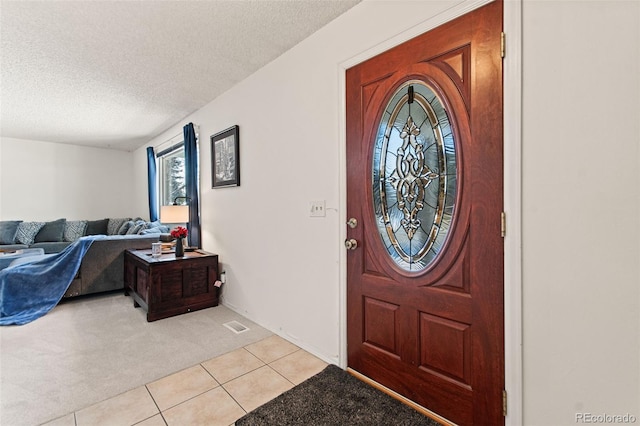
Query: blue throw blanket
[30, 290]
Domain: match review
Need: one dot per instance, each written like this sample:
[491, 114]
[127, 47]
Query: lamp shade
[174, 214]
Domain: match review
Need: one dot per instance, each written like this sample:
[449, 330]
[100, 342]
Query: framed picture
[225, 158]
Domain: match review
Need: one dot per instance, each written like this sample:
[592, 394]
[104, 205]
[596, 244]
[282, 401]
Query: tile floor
[216, 392]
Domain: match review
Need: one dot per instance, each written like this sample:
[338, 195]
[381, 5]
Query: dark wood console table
[166, 286]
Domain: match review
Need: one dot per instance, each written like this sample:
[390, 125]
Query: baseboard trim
[400, 398]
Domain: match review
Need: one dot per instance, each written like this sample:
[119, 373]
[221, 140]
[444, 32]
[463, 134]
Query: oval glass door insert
[414, 176]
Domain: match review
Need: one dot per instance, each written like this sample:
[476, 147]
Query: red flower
[179, 232]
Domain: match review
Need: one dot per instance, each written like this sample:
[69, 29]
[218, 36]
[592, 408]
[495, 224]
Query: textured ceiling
[115, 74]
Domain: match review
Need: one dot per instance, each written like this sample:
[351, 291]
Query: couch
[102, 268]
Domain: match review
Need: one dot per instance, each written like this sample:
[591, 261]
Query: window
[414, 176]
[171, 173]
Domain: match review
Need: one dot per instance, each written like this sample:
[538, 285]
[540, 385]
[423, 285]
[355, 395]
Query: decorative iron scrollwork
[411, 177]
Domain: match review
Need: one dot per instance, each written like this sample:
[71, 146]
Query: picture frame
[225, 158]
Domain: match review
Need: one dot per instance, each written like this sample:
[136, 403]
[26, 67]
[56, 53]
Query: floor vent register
[236, 327]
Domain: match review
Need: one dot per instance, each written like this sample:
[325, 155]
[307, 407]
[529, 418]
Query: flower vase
[179, 248]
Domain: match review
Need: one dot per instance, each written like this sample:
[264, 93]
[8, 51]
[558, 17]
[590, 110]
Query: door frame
[512, 133]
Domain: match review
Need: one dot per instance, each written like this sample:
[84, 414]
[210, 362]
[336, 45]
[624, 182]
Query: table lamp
[175, 213]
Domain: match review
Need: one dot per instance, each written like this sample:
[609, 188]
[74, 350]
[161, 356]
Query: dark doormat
[334, 397]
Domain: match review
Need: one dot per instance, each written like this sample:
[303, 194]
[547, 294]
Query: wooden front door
[424, 189]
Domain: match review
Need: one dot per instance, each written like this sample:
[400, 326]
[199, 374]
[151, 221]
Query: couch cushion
[27, 232]
[97, 227]
[74, 229]
[51, 231]
[8, 231]
[115, 224]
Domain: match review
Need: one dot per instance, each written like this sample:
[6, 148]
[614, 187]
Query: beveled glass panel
[414, 176]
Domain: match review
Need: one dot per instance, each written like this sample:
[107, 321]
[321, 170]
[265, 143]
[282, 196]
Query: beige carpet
[88, 350]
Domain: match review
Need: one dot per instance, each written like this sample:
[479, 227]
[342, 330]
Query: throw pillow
[97, 227]
[154, 228]
[27, 232]
[8, 231]
[137, 227]
[51, 231]
[74, 229]
[157, 230]
[125, 227]
[115, 224]
[155, 224]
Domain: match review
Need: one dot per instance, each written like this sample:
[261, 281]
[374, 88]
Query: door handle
[351, 244]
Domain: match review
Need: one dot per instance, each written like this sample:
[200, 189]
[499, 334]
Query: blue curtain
[153, 187]
[191, 177]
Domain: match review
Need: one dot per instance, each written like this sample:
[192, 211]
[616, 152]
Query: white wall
[581, 212]
[581, 204]
[47, 181]
[282, 266]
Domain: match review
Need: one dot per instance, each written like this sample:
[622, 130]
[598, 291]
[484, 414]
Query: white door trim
[512, 75]
[512, 81]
